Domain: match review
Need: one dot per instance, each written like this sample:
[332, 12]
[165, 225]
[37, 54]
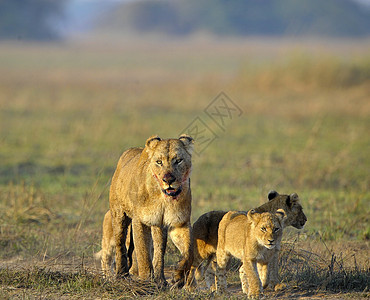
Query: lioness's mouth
[172, 192]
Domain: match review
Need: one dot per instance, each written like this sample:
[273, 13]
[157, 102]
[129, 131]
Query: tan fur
[205, 231]
[252, 239]
[106, 254]
[151, 189]
[108, 245]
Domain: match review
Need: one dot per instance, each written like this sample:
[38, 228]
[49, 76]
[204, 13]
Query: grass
[57, 284]
[67, 111]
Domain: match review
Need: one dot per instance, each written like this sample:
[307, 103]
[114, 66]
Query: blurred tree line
[30, 19]
[244, 17]
[38, 19]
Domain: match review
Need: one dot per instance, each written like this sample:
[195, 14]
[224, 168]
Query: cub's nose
[169, 178]
[271, 241]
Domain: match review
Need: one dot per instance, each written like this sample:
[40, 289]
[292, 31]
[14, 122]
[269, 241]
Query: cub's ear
[281, 214]
[252, 214]
[272, 194]
[152, 141]
[188, 142]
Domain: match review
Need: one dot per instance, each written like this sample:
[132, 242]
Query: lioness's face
[297, 217]
[170, 164]
[294, 210]
[267, 229]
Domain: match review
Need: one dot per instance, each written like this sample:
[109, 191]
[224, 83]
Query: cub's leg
[191, 282]
[120, 224]
[142, 242]
[182, 238]
[243, 279]
[273, 271]
[159, 236]
[210, 273]
[254, 283]
[263, 271]
[198, 270]
[222, 260]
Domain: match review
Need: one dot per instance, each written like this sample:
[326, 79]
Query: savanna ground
[68, 110]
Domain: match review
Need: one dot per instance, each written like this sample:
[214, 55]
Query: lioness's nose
[270, 241]
[168, 178]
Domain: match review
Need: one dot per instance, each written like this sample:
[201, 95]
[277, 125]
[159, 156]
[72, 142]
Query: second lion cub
[251, 238]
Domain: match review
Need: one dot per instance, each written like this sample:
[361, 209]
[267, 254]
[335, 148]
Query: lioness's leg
[181, 237]
[131, 254]
[107, 259]
[142, 242]
[159, 236]
[120, 224]
[107, 245]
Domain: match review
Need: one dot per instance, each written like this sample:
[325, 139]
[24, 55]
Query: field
[300, 123]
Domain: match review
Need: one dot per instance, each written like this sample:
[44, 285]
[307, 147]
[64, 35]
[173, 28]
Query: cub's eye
[159, 162]
[263, 229]
[179, 161]
[276, 229]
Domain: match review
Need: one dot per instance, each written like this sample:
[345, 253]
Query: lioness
[252, 239]
[151, 188]
[205, 232]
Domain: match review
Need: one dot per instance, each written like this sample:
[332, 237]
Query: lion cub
[251, 238]
[205, 231]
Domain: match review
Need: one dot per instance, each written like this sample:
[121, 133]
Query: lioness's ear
[272, 194]
[152, 141]
[294, 197]
[281, 214]
[188, 142]
[291, 199]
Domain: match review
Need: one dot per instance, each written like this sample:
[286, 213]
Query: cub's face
[170, 163]
[266, 227]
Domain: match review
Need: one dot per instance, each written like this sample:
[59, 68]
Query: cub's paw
[177, 284]
[254, 296]
[161, 283]
[280, 287]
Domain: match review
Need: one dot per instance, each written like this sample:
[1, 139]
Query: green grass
[67, 112]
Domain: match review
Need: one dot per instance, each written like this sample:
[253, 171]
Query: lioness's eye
[159, 162]
[179, 161]
[263, 229]
[276, 229]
